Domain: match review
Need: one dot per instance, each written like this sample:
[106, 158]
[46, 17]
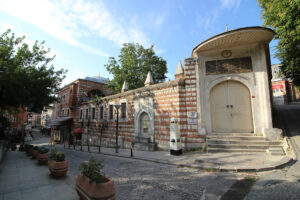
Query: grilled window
[123, 111]
[101, 112]
[111, 111]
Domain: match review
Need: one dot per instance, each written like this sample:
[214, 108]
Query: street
[135, 179]
[283, 183]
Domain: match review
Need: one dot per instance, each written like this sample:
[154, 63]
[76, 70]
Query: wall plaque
[229, 66]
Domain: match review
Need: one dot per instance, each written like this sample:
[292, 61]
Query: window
[123, 110]
[68, 112]
[80, 115]
[62, 113]
[101, 113]
[87, 114]
[93, 113]
[111, 111]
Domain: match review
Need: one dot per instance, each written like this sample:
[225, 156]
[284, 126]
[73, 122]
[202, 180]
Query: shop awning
[77, 131]
[60, 121]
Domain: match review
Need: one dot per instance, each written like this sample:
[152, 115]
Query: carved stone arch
[237, 78]
[137, 122]
[95, 91]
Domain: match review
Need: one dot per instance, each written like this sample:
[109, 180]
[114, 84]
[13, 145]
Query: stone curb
[193, 166]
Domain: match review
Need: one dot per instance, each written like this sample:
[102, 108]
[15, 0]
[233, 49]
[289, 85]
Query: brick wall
[173, 99]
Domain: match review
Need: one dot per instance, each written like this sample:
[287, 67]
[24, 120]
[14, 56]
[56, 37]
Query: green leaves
[92, 170]
[284, 17]
[26, 78]
[133, 65]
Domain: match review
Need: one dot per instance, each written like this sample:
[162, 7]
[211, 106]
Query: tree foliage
[133, 65]
[284, 17]
[26, 76]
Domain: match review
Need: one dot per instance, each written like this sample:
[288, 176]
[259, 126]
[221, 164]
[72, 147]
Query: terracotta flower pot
[91, 190]
[58, 169]
[43, 158]
[34, 153]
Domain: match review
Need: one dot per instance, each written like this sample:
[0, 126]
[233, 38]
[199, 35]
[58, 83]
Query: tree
[284, 17]
[134, 63]
[26, 79]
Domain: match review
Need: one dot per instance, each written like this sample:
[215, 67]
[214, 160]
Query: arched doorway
[144, 124]
[231, 108]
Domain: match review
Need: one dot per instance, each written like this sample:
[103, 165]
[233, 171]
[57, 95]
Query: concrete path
[21, 178]
[236, 162]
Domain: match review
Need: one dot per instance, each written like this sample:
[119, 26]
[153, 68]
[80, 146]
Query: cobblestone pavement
[136, 179]
[282, 184]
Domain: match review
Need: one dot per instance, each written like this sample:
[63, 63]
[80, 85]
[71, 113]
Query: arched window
[95, 92]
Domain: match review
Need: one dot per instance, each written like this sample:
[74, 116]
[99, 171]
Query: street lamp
[117, 106]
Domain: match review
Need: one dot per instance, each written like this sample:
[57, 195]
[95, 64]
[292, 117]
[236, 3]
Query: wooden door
[231, 108]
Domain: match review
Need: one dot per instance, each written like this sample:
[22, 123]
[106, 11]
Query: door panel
[241, 116]
[231, 108]
[220, 115]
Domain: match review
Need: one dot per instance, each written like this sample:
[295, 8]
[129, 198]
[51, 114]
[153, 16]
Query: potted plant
[58, 166]
[43, 155]
[91, 183]
[35, 151]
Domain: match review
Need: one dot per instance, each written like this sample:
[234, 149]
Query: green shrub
[60, 156]
[43, 150]
[92, 170]
[52, 154]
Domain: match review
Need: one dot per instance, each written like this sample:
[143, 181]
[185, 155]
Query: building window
[87, 114]
[80, 115]
[68, 112]
[93, 113]
[101, 113]
[123, 110]
[111, 111]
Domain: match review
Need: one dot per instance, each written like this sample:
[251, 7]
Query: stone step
[275, 151]
[215, 150]
[256, 138]
[142, 139]
[238, 146]
[243, 142]
[233, 134]
[144, 146]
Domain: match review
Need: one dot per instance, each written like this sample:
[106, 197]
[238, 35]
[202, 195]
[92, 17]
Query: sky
[83, 34]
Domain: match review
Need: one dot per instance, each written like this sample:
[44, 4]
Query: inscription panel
[229, 66]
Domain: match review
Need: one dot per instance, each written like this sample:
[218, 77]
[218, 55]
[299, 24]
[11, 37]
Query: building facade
[284, 91]
[224, 87]
[70, 97]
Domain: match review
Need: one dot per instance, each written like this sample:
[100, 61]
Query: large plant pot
[43, 158]
[91, 190]
[58, 169]
[34, 153]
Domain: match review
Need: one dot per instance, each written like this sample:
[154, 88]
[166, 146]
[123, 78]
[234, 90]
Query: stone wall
[161, 102]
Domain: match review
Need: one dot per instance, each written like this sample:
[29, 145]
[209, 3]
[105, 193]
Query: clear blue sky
[84, 34]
